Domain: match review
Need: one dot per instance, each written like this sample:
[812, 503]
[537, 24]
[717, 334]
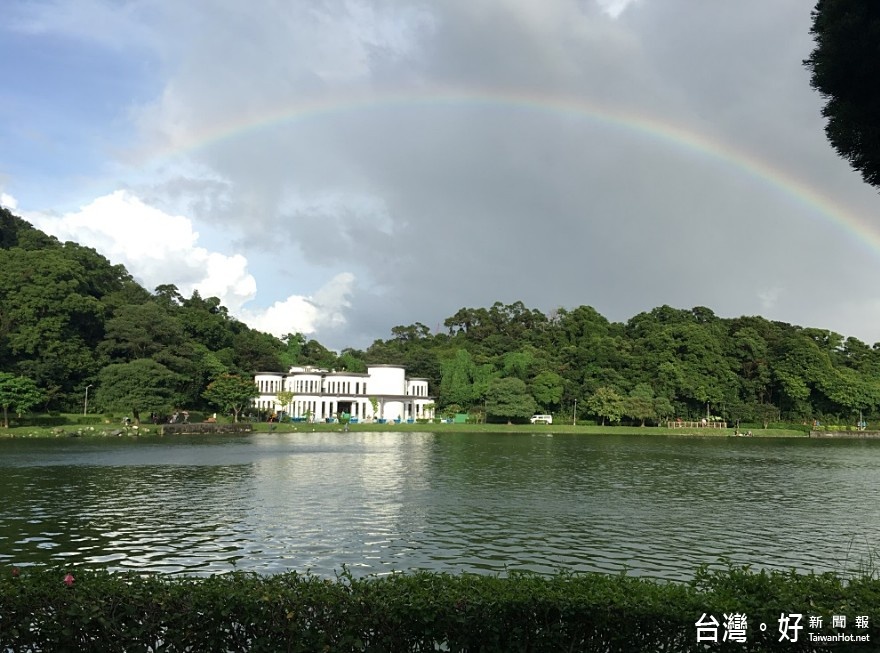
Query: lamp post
[86, 402]
[574, 413]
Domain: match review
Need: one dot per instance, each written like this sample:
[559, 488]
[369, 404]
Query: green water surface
[381, 502]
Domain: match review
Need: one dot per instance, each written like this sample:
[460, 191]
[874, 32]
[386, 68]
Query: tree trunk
[5, 417]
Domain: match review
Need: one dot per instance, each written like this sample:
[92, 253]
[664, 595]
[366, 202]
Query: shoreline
[150, 430]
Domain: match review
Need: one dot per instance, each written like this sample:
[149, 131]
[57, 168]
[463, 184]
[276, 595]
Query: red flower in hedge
[68, 580]
[16, 572]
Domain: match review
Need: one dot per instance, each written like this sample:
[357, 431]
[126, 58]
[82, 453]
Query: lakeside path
[91, 430]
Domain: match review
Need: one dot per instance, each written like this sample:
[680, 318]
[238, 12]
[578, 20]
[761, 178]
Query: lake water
[380, 502]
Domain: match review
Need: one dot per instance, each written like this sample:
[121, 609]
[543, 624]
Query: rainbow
[668, 133]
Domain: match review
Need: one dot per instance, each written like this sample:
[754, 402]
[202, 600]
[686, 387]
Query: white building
[321, 394]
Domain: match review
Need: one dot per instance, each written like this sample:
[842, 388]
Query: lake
[654, 506]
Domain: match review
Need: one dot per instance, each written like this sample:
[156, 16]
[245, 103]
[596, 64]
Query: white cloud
[325, 309]
[769, 297]
[615, 7]
[159, 248]
[113, 24]
[8, 201]
[468, 151]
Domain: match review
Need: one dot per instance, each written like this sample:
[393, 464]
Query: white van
[541, 419]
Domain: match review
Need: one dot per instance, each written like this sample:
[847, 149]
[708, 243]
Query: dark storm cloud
[443, 204]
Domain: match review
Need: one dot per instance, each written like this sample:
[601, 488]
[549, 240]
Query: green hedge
[56, 420]
[104, 611]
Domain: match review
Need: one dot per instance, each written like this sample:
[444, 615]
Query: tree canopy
[70, 319]
[18, 394]
[660, 364]
[509, 399]
[231, 393]
[844, 67]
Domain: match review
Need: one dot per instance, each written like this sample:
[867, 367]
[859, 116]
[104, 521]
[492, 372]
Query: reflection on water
[378, 502]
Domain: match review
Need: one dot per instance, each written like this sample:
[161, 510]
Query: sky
[341, 167]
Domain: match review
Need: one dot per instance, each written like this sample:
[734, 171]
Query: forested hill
[511, 361]
[70, 319]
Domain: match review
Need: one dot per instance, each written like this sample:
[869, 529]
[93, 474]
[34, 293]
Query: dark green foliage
[139, 387]
[49, 321]
[67, 315]
[231, 393]
[665, 363]
[844, 68]
[17, 394]
[15, 232]
[350, 360]
[509, 399]
[70, 319]
[547, 388]
[101, 611]
[607, 404]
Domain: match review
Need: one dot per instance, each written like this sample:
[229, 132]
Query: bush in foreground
[54, 610]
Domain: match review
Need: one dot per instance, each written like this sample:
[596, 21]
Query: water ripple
[652, 506]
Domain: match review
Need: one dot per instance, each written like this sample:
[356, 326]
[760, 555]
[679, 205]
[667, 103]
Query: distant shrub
[41, 420]
[58, 419]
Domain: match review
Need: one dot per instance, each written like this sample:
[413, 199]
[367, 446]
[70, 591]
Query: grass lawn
[115, 429]
[522, 428]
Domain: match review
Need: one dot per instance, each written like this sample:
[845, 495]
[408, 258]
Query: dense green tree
[607, 404]
[313, 353]
[231, 393]
[518, 363]
[851, 391]
[750, 351]
[17, 393]
[138, 386]
[15, 232]
[457, 385]
[211, 363]
[423, 363]
[49, 323]
[150, 331]
[509, 399]
[168, 295]
[844, 67]
[800, 368]
[483, 377]
[640, 404]
[662, 408]
[547, 388]
[350, 361]
[206, 321]
[293, 346]
[68, 316]
[141, 331]
[411, 333]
